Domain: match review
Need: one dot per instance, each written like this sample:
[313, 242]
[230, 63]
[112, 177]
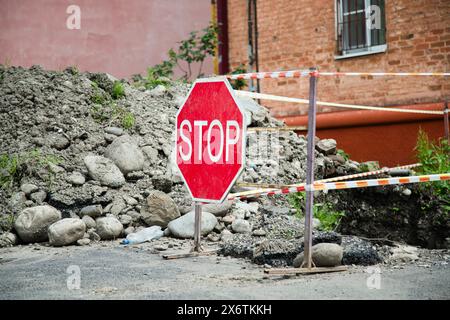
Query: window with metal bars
[361, 27]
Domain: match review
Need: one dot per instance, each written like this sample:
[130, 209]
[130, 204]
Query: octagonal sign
[210, 140]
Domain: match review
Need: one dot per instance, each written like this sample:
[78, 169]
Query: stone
[240, 213]
[58, 141]
[159, 209]
[226, 235]
[125, 219]
[130, 200]
[83, 242]
[92, 211]
[323, 255]
[404, 254]
[29, 188]
[104, 171]
[117, 207]
[125, 153]
[259, 233]
[241, 226]
[17, 201]
[89, 222]
[326, 146]
[162, 183]
[250, 206]
[151, 154]
[166, 232]
[76, 178]
[66, 231]
[32, 223]
[128, 231]
[114, 131]
[217, 209]
[228, 219]
[8, 239]
[213, 237]
[183, 227]
[93, 236]
[38, 197]
[109, 228]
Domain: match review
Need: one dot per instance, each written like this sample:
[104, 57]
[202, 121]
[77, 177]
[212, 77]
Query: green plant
[435, 158]
[128, 120]
[343, 154]
[239, 83]
[118, 91]
[195, 49]
[328, 217]
[14, 167]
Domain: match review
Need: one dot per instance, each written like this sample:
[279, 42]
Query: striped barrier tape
[341, 178]
[317, 186]
[264, 96]
[381, 74]
[304, 73]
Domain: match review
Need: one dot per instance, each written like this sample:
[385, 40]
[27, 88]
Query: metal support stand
[308, 266]
[446, 126]
[307, 260]
[197, 249]
[197, 228]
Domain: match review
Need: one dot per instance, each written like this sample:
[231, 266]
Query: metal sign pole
[310, 168]
[197, 227]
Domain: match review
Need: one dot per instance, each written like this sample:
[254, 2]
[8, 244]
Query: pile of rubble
[84, 174]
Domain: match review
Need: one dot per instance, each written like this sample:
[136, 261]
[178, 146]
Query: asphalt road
[111, 271]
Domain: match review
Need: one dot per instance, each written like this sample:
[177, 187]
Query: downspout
[222, 22]
[252, 43]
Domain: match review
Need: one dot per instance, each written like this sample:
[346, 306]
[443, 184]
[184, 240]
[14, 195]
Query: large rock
[32, 223]
[327, 146]
[92, 211]
[104, 171]
[8, 239]
[241, 226]
[126, 154]
[109, 228]
[66, 231]
[183, 227]
[159, 209]
[323, 255]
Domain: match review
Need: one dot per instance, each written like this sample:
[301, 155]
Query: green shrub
[435, 158]
[240, 83]
[328, 217]
[118, 91]
[128, 120]
[343, 154]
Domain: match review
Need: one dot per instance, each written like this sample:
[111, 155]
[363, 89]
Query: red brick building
[343, 35]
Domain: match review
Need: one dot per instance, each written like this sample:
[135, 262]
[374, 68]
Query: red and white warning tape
[303, 73]
[257, 192]
[380, 74]
[272, 97]
[354, 184]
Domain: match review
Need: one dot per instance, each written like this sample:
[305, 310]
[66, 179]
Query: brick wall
[298, 34]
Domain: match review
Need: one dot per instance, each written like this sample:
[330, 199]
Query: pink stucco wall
[121, 37]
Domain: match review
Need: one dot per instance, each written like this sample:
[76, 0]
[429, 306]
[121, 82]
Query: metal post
[446, 126]
[310, 167]
[197, 227]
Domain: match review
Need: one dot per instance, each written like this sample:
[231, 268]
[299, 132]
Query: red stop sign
[210, 141]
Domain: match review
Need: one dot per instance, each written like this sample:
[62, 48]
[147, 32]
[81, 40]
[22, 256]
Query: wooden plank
[189, 254]
[296, 271]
